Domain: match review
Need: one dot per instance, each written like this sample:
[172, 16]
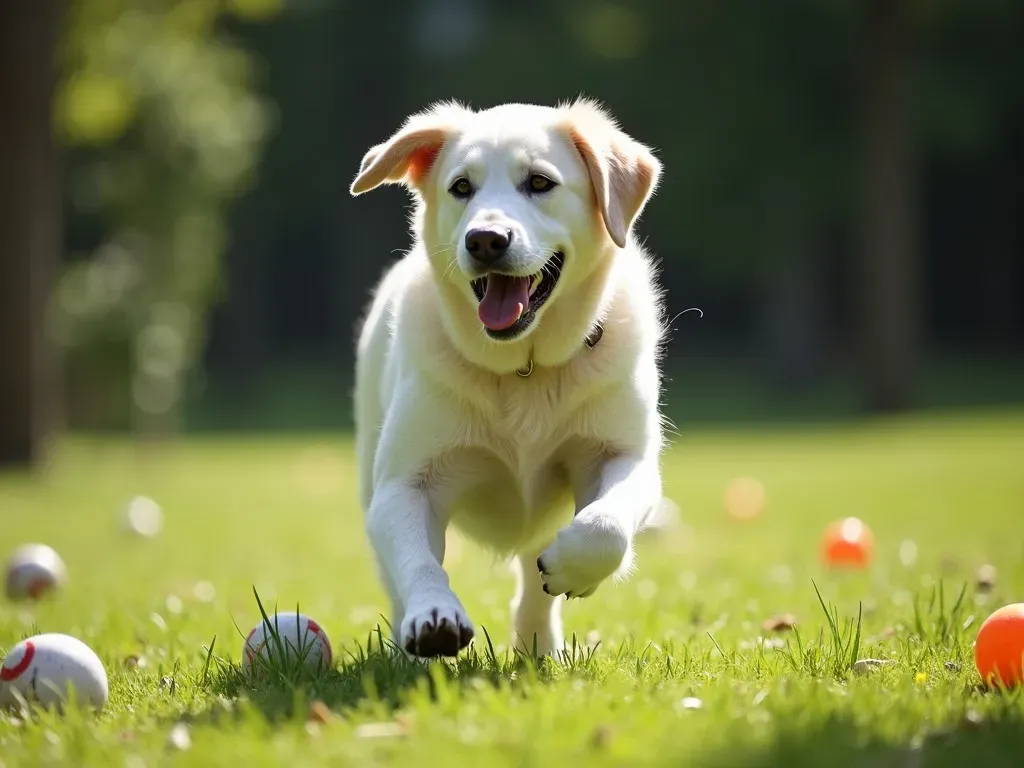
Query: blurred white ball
[42, 670]
[204, 591]
[34, 570]
[663, 518]
[908, 553]
[299, 635]
[144, 516]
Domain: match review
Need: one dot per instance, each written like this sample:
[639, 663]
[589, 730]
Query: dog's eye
[461, 188]
[539, 183]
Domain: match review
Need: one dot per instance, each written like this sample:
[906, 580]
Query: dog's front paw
[436, 627]
[583, 555]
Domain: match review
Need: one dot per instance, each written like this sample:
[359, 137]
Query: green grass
[279, 515]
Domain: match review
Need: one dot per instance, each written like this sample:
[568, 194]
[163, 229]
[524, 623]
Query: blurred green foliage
[158, 110]
[756, 109]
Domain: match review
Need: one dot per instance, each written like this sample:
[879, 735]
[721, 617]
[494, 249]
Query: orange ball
[744, 498]
[847, 543]
[999, 649]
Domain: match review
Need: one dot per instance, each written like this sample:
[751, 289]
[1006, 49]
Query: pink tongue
[504, 301]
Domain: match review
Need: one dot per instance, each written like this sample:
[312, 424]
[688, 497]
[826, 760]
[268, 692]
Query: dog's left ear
[623, 172]
[410, 153]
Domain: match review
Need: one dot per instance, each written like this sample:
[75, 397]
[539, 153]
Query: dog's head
[517, 204]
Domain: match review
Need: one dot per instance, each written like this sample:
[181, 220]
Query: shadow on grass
[839, 741]
[378, 671]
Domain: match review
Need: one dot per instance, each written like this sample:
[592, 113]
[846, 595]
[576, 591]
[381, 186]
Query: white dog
[507, 370]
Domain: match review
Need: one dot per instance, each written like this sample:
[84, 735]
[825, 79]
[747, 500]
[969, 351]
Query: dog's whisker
[441, 249]
[452, 262]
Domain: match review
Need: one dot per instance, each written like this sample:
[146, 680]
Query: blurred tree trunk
[995, 259]
[792, 324]
[30, 229]
[371, 233]
[888, 306]
[244, 316]
[792, 321]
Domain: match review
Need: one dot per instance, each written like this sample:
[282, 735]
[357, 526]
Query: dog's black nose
[488, 244]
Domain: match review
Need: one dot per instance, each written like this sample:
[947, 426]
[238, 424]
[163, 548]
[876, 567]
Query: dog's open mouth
[509, 303]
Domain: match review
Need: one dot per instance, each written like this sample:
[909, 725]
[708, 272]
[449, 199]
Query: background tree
[842, 195]
[158, 108]
[30, 228]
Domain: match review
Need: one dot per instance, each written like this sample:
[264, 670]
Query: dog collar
[590, 342]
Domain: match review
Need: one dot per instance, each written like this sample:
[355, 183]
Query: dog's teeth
[537, 279]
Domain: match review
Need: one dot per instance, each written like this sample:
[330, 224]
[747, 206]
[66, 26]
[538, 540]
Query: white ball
[143, 516]
[43, 668]
[32, 571]
[300, 637]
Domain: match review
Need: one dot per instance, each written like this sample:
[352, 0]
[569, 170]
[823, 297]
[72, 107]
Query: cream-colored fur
[447, 431]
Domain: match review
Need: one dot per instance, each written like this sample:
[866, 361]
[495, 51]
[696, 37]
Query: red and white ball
[43, 669]
[33, 571]
[300, 638]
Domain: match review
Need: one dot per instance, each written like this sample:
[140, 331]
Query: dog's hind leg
[536, 616]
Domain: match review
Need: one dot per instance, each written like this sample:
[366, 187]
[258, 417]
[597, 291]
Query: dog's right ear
[623, 172]
[408, 156]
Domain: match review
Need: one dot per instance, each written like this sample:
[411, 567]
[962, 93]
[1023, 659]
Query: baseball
[33, 571]
[43, 669]
[300, 638]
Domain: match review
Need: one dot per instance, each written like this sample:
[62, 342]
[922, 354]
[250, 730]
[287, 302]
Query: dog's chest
[527, 422]
[505, 493]
[520, 448]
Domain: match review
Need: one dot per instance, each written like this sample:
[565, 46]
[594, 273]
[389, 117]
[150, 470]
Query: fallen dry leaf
[319, 712]
[783, 622]
[863, 666]
[986, 578]
[973, 718]
[379, 730]
[601, 737]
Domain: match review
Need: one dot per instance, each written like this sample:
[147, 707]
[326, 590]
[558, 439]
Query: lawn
[671, 667]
